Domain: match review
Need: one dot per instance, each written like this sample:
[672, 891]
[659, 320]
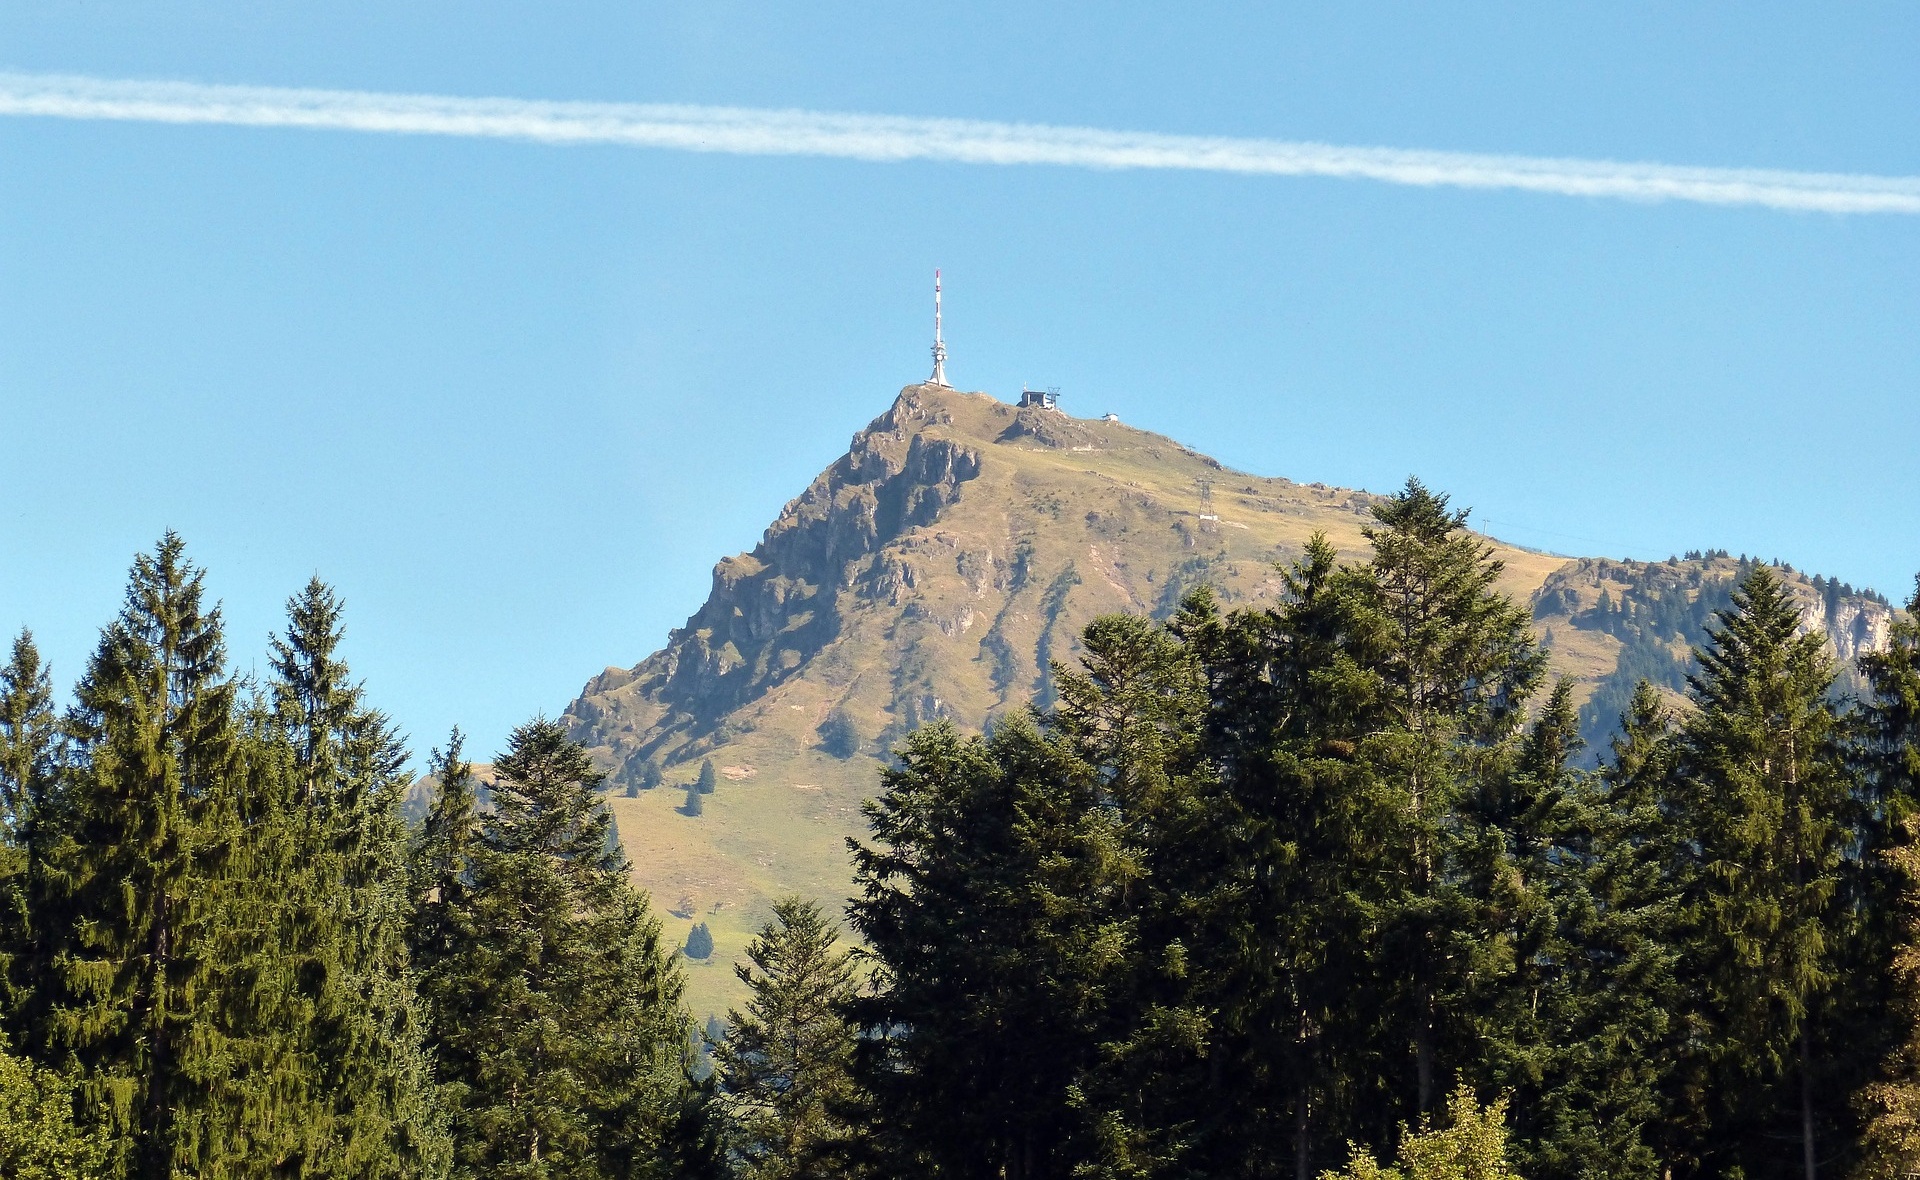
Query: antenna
[939, 346]
[1209, 521]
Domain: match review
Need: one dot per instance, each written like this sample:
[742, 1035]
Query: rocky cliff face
[1619, 622]
[774, 609]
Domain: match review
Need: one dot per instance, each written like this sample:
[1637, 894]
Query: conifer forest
[1317, 887]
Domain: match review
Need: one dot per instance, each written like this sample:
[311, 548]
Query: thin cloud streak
[889, 139]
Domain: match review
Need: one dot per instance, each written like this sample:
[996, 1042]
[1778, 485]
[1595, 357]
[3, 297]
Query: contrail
[758, 132]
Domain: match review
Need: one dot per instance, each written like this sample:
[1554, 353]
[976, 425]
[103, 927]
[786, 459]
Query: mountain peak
[937, 570]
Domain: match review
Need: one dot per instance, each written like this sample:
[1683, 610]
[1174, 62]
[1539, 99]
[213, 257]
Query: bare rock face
[772, 610]
[1040, 426]
[1618, 622]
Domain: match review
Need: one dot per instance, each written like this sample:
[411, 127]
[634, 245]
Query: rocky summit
[939, 568]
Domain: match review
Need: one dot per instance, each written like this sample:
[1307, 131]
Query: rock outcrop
[772, 610]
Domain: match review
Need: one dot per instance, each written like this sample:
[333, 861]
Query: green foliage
[1890, 756]
[1891, 1101]
[1256, 881]
[137, 851]
[28, 736]
[556, 1015]
[708, 780]
[38, 1137]
[784, 1064]
[1005, 897]
[839, 736]
[1762, 791]
[694, 804]
[342, 943]
[699, 943]
[1473, 1146]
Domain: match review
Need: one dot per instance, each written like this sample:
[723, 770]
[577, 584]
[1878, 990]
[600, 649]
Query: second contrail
[882, 138]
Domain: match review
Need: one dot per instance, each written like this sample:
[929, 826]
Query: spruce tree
[1890, 758]
[1891, 1102]
[1577, 1030]
[972, 1048]
[374, 1110]
[28, 736]
[784, 1065]
[132, 862]
[440, 865]
[1031, 981]
[1764, 798]
[708, 780]
[1279, 862]
[1456, 662]
[557, 1014]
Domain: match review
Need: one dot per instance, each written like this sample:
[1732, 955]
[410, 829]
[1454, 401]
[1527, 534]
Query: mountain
[938, 568]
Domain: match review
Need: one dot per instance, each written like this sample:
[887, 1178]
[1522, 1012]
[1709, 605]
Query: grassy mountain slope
[934, 571]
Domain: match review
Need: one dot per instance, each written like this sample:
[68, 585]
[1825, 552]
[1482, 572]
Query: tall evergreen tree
[970, 1048]
[29, 729]
[557, 1013]
[132, 852]
[1456, 663]
[1890, 749]
[1031, 980]
[374, 1113]
[440, 864]
[784, 1065]
[1762, 794]
[28, 737]
[1281, 866]
[1891, 1102]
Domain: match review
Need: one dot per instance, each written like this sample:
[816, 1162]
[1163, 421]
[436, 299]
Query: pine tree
[699, 941]
[1764, 799]
[1579, 1030]
[973, 1045]
[133, 852]
[557, 1015]
[28, 733]
[708, 780]
[1031, 981]
[784, 1065]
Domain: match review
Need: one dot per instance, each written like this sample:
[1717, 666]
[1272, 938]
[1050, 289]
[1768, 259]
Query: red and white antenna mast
[939, 346]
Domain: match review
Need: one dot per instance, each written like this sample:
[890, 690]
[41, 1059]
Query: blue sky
[515, 399]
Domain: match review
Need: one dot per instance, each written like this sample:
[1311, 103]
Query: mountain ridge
[938, 568]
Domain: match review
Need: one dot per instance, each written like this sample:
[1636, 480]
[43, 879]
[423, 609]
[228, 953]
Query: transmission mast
[939, 346]
[1209, 520]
